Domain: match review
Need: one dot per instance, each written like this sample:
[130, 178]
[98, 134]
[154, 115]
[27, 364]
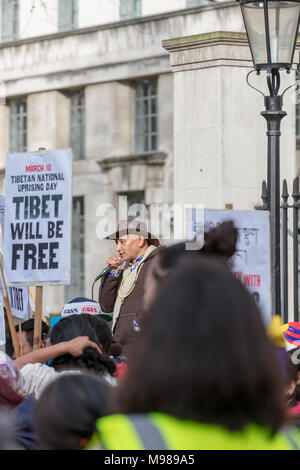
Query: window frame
[197, 3]
[15, 130]
[149, 134]
[71, 22]
[15, 5]
[134, 9]
[77, 289]
[73, 111]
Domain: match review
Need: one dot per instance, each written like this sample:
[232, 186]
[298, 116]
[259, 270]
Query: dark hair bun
[221, 240]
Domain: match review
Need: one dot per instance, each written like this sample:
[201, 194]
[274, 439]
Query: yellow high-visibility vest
[157, 431]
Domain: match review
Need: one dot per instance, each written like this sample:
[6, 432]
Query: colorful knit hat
[83, 305]
[291, 333]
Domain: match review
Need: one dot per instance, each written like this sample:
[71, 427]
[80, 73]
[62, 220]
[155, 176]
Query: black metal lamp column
[272, 28]
[273, 116]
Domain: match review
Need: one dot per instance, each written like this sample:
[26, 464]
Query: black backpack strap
[148, 433]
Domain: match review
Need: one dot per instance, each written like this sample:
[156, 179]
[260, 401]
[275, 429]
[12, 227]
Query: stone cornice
[157, 158]
[120, 24]
[205, 39]
[217, 48]
[189, 42]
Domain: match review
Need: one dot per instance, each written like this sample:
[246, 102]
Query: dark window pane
[10, 20]
[18, 125]
[77, 124]
[146, 116]
[130, 9]
[76, 288]
[67, 15]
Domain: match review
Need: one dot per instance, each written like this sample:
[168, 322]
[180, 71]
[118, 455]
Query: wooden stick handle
[9, 315]
[38, 318]
[20, 336]
[32, 293]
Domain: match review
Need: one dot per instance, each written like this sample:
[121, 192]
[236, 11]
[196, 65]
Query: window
[130, 9]
[77, 124]
[76, 288]
[136, 205]
[196, 3]
[67, 15]
[10, 20]
[146, 135]
[18, 125]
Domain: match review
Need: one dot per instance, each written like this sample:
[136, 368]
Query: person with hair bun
[206, 376]
[219, 243]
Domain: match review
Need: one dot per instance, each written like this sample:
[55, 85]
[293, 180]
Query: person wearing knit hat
[78, 306]
[83, 305]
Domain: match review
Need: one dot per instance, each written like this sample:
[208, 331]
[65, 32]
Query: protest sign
[2, 212]
[251, 262]
[19, 302]
[38, 198]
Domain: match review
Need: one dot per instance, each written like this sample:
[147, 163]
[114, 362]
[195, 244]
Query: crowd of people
[188, 364]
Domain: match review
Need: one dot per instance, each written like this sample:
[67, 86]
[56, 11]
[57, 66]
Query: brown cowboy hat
[134, 227]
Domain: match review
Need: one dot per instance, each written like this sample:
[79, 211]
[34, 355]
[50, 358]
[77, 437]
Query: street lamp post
[272, 28]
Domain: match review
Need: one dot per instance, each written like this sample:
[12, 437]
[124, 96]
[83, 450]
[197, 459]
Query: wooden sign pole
[20, 337]
[10, 317]
[37, 333]
[32, 294]
[37, 339]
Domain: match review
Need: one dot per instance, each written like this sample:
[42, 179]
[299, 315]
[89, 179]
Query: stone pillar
[48, 124]
[220, 143]
[109, 120]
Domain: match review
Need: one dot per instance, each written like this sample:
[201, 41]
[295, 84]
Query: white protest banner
[38, 198]
[2, 213]
[2, 322]
[19, 302]
[252, 261]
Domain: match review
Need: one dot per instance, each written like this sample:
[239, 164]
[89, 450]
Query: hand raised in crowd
[76, 346]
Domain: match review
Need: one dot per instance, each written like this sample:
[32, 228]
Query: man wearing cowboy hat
[122, 289]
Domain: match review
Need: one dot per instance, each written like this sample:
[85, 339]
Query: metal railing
[288, 202]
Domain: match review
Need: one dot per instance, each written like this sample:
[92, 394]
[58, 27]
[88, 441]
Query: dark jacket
[132, 311]
[23, 416]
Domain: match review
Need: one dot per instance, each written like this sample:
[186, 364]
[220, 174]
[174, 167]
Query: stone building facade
[93, 75]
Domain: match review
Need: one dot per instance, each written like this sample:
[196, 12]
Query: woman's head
[67, 411]
[102, 331]
[204, 354]
[69, 328]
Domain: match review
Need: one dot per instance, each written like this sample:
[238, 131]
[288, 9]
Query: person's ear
[141, 242]
[291, 388]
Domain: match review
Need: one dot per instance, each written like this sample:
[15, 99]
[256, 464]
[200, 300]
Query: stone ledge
[118, 24]
[205, 39]
[157, 158]
[189, 42]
